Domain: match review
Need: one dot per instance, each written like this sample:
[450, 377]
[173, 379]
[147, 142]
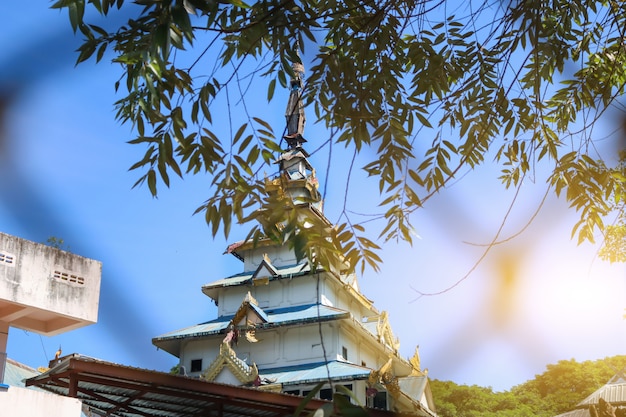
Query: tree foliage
[453, 400]
[57, 243]
[424, 90]
[566, 383]
[557, 390]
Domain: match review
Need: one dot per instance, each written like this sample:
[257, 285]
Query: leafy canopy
[557, 390]
[424, 90]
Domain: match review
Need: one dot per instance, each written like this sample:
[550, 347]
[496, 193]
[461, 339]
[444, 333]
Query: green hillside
[555, 391]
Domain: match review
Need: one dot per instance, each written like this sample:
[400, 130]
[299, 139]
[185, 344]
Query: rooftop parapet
[46, 290]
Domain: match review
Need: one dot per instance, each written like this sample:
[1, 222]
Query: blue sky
[64, 172]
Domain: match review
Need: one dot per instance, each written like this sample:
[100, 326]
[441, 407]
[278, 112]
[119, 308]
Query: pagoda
[284, 325]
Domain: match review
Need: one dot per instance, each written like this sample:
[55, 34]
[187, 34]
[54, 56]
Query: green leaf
[270, 90]
[239, 133]
[152, 182]
[245, 143]
[264, 124]
[76, 9]
[238, 3]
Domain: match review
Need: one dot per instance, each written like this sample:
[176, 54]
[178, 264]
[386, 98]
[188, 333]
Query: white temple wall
[265, 351]
[276, 294]
[279, 257]
[293, 346]
[302, 344]
[290, 344]
[367, 357]
[301, 291]
[230, 300]
[334, 294]
[205, 350]
[264, 297]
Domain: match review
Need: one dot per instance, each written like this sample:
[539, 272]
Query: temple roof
[284, 272]
[242, 278]
[315, 372]
[170, 342]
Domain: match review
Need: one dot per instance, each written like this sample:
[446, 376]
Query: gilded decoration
[385, 335]
[385, 377]
[415, 364]
[228, 358]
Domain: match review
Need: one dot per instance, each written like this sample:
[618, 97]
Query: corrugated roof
[15, 373]
[132, 392]
[576, 413]
[615, 394]
[275, 317]
[315, 372]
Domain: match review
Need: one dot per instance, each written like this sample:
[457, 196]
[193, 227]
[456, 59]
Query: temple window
[196, 365]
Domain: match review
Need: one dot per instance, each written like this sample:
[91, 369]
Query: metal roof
[121, 391]
[15, 373]
[576, 413]
[275, 317]
[288, 271]
[614, 392]
[315, 372]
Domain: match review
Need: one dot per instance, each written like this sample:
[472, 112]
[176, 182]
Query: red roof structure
[122, 391]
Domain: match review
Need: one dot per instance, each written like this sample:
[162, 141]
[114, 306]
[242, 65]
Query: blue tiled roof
[210, 327]
[275, 317]
[314, 372]
[241, 278]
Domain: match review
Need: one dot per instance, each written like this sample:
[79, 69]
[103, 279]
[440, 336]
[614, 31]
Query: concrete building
[47, 291]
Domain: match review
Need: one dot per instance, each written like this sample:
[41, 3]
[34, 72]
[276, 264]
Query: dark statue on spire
[295, 109]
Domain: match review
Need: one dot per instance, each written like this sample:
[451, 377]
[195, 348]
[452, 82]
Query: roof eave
[263, 326]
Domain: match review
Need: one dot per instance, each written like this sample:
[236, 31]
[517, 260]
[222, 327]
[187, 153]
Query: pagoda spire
[294, 113]
[296, 175]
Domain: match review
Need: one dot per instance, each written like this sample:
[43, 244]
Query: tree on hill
[420, 91]
[557, 390]
[453, 400]
[566, 383]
